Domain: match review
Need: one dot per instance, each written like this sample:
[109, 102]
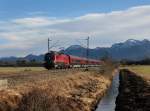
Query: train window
[76, 61]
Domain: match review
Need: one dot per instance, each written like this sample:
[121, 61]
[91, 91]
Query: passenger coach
[60, 60]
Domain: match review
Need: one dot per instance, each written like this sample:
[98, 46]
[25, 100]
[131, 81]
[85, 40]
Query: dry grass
[141, 70]
[20, 69]
[72, 90]
[66, 94]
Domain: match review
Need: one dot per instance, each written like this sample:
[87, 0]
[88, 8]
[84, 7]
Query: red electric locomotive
[59, 60]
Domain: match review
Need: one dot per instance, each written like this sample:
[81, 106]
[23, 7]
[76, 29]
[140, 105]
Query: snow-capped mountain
[130, 49]
[130, 43]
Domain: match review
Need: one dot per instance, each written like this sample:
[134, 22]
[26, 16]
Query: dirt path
[134, 93]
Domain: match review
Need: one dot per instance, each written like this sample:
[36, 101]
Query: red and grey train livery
[59, 60]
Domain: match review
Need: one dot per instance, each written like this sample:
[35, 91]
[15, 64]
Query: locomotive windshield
[49, 60]
[49, 57]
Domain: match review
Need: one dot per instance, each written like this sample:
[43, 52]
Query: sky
[25, 25]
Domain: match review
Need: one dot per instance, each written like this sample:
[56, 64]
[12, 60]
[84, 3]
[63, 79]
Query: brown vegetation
[75, 90]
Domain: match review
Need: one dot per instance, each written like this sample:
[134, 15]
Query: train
[60, 61]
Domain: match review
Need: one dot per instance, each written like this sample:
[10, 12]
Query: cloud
[37, 21]
[29, 34]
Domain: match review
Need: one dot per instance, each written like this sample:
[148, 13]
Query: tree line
[21, 63]
[137, 62]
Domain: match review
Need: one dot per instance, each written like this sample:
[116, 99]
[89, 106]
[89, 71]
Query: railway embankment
[75, 91]
[134, 92]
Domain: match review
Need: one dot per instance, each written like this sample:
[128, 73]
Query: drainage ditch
[107, 103]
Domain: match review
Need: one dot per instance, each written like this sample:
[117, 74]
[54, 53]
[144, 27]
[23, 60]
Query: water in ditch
[108, 101]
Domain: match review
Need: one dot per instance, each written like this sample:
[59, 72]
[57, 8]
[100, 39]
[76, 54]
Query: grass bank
[57, 91]
[141, 70]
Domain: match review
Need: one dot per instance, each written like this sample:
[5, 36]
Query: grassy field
[142, 70]
[20, 69]
[59, 90]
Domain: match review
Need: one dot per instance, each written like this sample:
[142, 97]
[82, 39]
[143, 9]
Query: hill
[129, 50]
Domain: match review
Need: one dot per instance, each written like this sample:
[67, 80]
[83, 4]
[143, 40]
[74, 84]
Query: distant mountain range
[30, 57]
[130, 50]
